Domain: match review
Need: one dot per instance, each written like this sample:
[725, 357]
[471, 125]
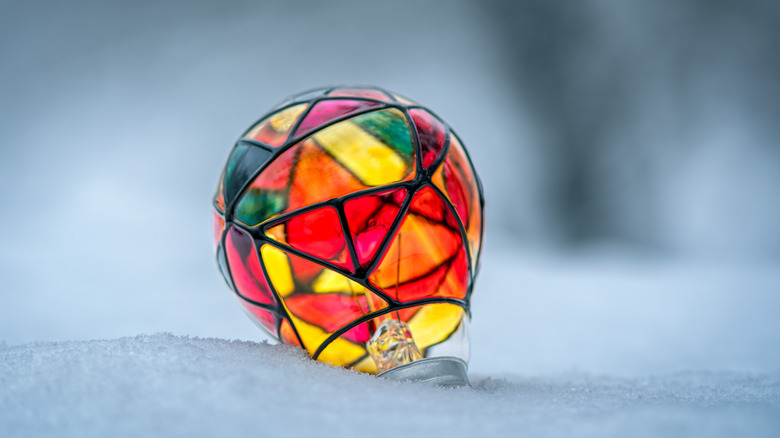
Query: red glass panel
[318, 233]
[431, 134]
[329, 311]
[265, 318]
[277, 175]
[369, 219]
[426, 257]
[245, 267]
[327, 110]
[457, 191]
[405, 314]
[360, 92]
[287, 335]
[304, 270]
[430, 206]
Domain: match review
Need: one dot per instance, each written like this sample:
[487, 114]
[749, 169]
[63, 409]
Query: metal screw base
[446, 371]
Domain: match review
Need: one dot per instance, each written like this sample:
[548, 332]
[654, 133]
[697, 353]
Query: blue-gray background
[629, 153]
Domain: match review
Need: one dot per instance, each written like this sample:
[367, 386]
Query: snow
[166, 385]
[601, 342]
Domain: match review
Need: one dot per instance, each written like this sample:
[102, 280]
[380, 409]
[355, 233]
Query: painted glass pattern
[346, 207]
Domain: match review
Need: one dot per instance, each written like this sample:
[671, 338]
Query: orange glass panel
[219, 199]
[426, 257]
[455, 177]
[429, 324]
[274, 130]
[287, 335]
[366, 151]
[316, 232]
[318, 177]
[218, 225]
[369, 219]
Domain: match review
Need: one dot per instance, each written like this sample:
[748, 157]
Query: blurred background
[628, 150]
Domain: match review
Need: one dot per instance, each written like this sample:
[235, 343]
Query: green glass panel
[390, 127]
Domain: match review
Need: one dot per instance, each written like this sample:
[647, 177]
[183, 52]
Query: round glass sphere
[348, 221]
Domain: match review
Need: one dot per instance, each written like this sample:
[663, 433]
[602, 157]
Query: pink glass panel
[327, 110]
[431, 134]
[369, 219]
[245, 266]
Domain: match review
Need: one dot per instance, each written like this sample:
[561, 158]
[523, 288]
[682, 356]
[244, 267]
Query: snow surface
[165, 385]
[604, 343]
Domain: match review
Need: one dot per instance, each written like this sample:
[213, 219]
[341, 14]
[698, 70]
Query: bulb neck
[448, 371]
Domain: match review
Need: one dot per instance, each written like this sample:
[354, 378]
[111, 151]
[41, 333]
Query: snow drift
[164, 385]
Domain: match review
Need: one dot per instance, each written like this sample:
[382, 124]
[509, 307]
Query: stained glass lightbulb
[348, 221]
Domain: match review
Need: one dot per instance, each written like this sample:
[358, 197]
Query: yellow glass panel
[330, 281]
[283, 120]
[367, 365]
[274, 130]
[278, 267]
[367, 157]
[434, 323]
[340, 352]
[312, 336]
